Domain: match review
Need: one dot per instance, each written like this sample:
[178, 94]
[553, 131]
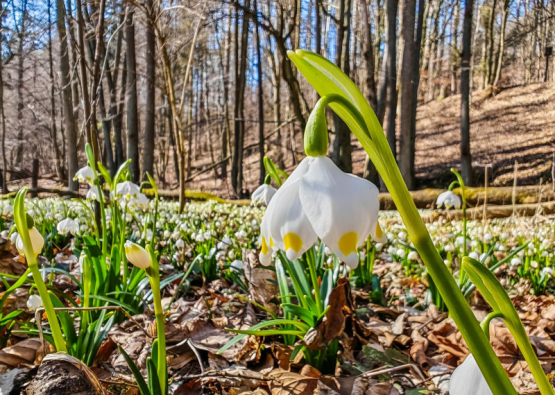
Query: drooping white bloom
[14, 237]
[85, 174]
[180, 244]
[448, 199]
[137, 255]
[237, 265]
[474, 255]
[320, 201]
[37, 241]
[66, 226]
[127, 190]
[412, 256]
[93, 194]
[34, 302]
[467, 379]
[547, 271]
[262, 195]
[516, 261]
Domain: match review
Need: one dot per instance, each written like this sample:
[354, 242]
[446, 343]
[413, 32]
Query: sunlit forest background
[198, 92]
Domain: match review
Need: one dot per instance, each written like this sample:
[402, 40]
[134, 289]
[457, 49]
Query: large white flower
[262, 195]
[467, 379]
[67, 226]
[85, 174]
[128, 190]
[448, 199]
[318, 200]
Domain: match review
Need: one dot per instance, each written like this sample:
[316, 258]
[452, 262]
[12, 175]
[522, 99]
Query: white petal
[289, 227]
[467, 379]
[342, 208]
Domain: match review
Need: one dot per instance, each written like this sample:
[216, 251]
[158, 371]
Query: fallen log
[519, 210]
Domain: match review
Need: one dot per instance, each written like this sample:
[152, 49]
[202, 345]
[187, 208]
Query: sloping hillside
[515, 124]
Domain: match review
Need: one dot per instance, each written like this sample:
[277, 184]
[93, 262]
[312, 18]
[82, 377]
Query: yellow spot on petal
[348, 243]
[271, 242]
[379, 232]
[293, 241]
[264, 249]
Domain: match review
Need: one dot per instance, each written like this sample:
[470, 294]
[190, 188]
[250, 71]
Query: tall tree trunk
[491, 28]
[4, 158]
[59, 166]
[392, 74]
[71, 131]
[21, 33]
[150, 110]
[370, 172]
[341, 150]
[466, 157]
[422, 13]
[455, 48]
[318, 26]
[262, 172]
[501, 45]
[239, 111]
[407, 141]
[131, 99]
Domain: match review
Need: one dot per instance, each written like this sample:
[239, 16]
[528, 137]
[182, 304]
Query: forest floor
[513, 125]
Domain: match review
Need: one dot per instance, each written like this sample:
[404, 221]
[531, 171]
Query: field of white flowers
[233, 325]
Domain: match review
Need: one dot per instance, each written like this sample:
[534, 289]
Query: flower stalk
[327, 79]
[461, 184]
[21, 221]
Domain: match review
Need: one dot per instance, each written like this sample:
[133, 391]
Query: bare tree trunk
[4, 158]
[71, 132]
[53, 129]
[392, 74]
[341, 150]
[21, 33]
[318, 26]
[422, 13]
[501, 45]
[407, 141]
[239, 112]
[260, 102]
[489, 69]
[131, 99]
[455, 55]
[370, 172]
[466, 157]
[150, 110]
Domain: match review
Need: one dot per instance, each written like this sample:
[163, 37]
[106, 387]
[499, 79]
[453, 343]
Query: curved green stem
[328, 79]
[460, 181]
[21, 223]
[154, 277]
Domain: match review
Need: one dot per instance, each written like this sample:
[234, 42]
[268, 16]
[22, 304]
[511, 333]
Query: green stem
[459, 309]
[460, 181]
[59, 341]
[311, 260]
[154, 277]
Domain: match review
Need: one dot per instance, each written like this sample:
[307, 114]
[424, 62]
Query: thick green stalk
[460, 181]
[154, 277]
[21, 222]
[311, 260]
[328, 79]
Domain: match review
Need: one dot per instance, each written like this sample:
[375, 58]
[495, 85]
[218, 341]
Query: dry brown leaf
[24, 352]
[283, 382]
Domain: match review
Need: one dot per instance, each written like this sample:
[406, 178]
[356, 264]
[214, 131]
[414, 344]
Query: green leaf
[143, 387]
[300, 312]
[272, 171]
[153, 380]
[269, 332]
[494, 293]
[66, 322]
